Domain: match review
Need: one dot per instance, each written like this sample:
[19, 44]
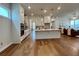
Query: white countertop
[48, 30]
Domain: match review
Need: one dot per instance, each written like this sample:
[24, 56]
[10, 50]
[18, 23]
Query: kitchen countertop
[48, 30]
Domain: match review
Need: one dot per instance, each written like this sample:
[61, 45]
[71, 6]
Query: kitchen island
[48, 34]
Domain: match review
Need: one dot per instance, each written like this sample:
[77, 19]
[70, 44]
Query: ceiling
[37, 8]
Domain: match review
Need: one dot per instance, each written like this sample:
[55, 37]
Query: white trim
[22, 38]
[26, 33]
[1, 49]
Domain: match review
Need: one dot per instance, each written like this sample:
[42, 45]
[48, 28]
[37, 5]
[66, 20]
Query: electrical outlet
[1, 43]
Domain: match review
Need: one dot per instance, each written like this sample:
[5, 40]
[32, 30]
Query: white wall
[16, 20]
[66, 18]
[21, 13]
[10, 27]
[62, 21]
[5, 29]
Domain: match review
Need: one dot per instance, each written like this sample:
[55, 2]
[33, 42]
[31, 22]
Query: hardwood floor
[65, 46]
[9, 50]
[26, 48]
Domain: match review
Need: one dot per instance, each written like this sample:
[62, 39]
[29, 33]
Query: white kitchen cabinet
[47, 19]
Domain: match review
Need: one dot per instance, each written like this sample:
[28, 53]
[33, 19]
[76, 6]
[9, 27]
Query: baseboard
[24, 36]
[6, 47]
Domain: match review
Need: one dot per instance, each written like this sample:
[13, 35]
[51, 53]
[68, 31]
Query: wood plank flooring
[65, 46]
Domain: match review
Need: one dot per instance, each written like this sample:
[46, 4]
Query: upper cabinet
[47, 19]
[39, 21]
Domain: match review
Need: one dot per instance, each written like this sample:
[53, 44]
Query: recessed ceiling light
[59, 8]
[29, 7]
[53, 19]
[45, 11]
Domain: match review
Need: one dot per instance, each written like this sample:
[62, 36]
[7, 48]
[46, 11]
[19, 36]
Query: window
[3, 12]
[72, 23]
[77, 23]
